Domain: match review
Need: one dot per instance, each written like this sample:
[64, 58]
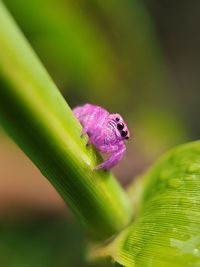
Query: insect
[106, 131]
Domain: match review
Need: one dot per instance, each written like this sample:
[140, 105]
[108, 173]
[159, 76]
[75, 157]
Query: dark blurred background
[139, 58]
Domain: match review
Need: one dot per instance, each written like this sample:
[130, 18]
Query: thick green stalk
[36, 116]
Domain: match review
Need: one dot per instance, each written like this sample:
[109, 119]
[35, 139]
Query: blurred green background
[139, 58]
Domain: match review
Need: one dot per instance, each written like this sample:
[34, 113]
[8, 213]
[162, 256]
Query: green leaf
[36, 116]
[166, 231]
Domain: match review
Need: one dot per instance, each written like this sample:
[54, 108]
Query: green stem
[36, 116]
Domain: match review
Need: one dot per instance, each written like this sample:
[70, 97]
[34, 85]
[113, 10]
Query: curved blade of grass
[36, 116]
[83, 56]
[166, 231]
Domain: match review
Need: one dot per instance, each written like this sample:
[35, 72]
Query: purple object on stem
[106, 131]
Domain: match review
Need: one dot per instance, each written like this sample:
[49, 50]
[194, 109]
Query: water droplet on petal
[174, 183]
[193, 168]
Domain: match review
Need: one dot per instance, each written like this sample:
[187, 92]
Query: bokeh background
[139, 58]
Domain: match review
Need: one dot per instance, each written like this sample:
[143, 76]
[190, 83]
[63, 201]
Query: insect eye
[124, 133]
[120, 126]
[117, 119]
